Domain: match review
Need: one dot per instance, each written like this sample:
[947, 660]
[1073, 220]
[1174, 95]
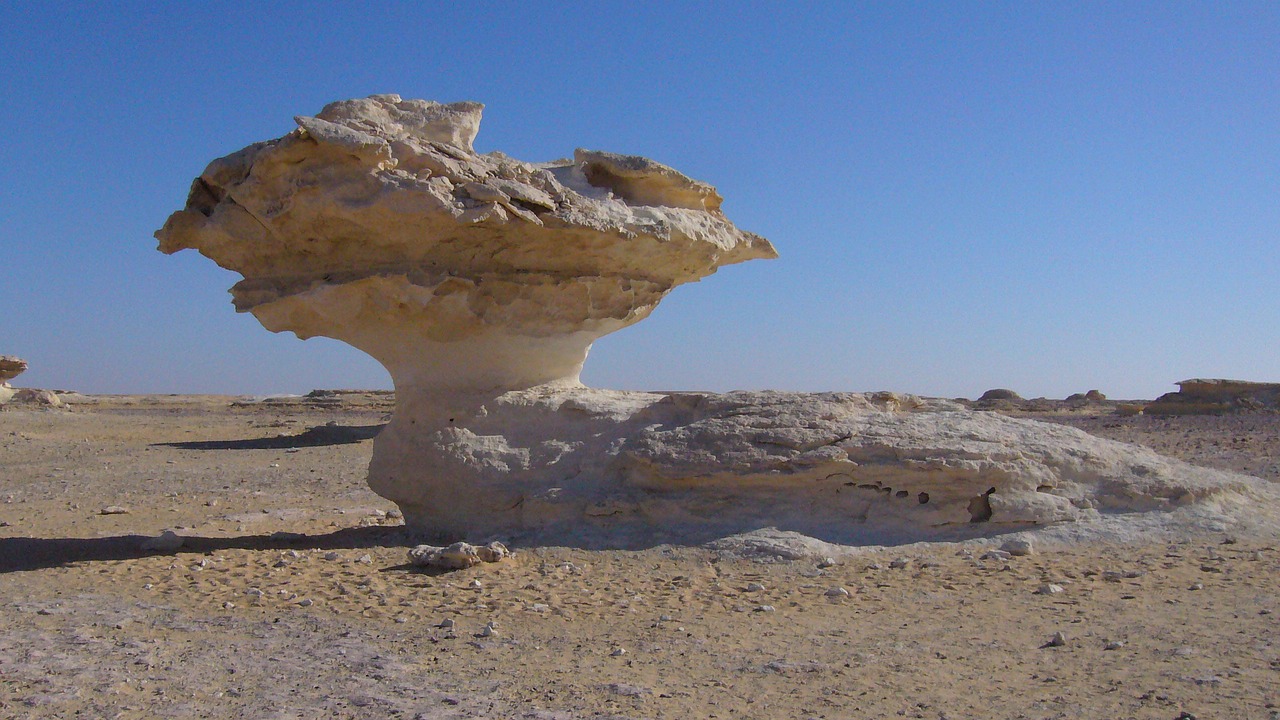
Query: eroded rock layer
[377, 223]
[624, 468]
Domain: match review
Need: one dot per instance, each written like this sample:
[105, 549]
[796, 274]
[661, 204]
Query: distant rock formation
[10, 368]
[481, 281]
[1093, 396]
[999, 394]
[1214, 397]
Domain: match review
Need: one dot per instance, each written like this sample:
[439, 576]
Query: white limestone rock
[480, 282]
[377, 224]
[10, 367]
[539, 464]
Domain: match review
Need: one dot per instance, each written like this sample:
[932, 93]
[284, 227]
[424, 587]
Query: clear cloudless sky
[1045, 196]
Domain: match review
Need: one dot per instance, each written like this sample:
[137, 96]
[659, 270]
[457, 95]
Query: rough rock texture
[1199, 397]
[377, 224]
[480, 282]
[608, 467]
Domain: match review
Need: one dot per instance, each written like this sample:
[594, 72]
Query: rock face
[1200, 397]
[480, 282]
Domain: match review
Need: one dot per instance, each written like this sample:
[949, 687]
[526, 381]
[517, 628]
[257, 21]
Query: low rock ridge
[1216, 396]
[615, 468]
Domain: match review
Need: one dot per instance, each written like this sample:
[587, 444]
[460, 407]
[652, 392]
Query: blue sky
[1050, 197]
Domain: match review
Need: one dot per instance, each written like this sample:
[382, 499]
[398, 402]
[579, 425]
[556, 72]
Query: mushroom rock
[480, 282]
[10, 368]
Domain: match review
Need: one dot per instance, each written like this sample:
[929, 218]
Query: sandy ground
[292, 597]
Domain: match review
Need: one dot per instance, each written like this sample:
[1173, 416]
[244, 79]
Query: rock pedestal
[480, 282]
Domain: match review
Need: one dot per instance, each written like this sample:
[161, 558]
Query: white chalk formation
[481, 281]
[10, 367]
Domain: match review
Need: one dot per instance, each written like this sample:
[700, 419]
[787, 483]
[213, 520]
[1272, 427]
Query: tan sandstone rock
[481, 281]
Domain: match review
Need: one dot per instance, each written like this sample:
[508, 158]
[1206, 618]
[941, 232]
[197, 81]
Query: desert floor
[292, 597]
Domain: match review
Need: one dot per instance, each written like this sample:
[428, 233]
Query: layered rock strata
[376, 223]
[481, 281]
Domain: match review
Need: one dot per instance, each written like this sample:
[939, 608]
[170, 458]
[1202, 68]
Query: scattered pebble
[1113, 645]
[900, 563]
[1049, 589]
[995, 555]
[765, 608]
[755, 587]
[837, 592]
[827, 563]
[618, 652]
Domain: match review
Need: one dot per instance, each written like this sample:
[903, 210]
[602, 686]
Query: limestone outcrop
[481, 281]
[1216, 396]
[612, 468]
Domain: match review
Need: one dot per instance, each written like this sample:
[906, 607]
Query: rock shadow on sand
[319, 436]
[30, 553]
